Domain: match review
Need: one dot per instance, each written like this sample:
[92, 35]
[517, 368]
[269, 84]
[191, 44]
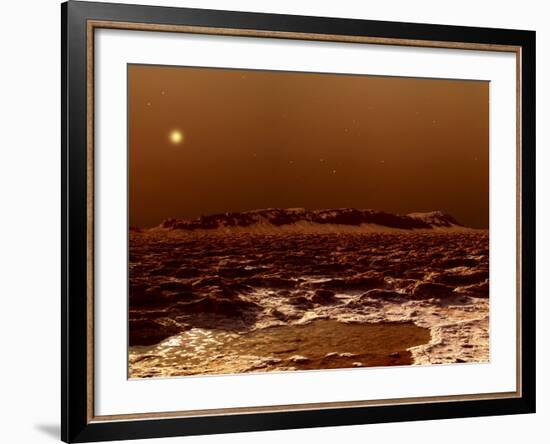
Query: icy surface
[192, 293]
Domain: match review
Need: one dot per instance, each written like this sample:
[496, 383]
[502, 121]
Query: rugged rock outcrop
[277, 217]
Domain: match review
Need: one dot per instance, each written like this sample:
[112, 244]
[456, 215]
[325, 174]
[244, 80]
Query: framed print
[275, 221]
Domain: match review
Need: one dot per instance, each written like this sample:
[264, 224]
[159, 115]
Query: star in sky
[176, 137]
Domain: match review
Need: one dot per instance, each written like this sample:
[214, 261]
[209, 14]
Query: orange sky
[258, 139]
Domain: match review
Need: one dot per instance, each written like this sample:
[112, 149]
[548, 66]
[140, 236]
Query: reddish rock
[212, 304]
[300, 301]
[141, 296]
[151, 331]
[175, 286]
[187, 272]
[461, 276]
[385, 295]
[278, 217]
[429, 290]
[323, 297]
[480, 290]
[270, 282]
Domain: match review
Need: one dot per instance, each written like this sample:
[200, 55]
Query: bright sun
[176, 137]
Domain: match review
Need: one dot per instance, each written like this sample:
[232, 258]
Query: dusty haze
[259, 139]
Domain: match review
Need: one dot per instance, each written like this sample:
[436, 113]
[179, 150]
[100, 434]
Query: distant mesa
[327, 220]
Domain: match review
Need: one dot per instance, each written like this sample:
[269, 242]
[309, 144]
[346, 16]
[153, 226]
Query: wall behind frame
[30, 217]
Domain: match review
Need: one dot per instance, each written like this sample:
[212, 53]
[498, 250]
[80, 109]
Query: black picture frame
[76, 423]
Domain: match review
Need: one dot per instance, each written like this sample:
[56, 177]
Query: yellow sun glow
[176, 137]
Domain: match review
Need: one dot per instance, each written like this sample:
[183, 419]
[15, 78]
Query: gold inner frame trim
[97, 24]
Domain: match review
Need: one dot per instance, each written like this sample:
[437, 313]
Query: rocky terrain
[277, 218]
[296, 290]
